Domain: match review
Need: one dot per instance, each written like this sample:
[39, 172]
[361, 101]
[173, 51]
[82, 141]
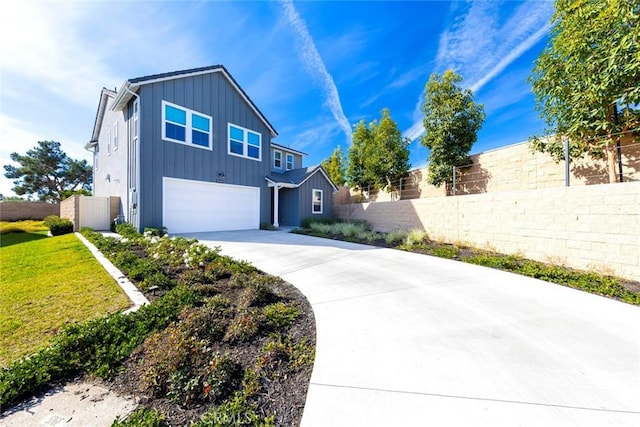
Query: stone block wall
[17, 211]
[70, 208]
[594, 227]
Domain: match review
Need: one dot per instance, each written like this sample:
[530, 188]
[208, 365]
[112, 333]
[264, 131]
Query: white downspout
[276, 208]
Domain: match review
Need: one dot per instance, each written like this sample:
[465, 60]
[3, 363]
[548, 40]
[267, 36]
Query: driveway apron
[410, 340]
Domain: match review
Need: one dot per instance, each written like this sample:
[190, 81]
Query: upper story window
[316, 201]
[289, 162]
[185, 126]
[108, 142]
[244, 142]
[277, 159]
[114, 135]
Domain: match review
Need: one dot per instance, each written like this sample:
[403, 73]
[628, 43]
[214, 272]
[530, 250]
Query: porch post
[275, 206]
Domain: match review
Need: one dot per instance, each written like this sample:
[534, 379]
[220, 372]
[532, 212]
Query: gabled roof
[296, 177]
[285, 148]
[131, 86]
[97, 124]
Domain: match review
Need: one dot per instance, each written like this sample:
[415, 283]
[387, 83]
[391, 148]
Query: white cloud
[315, 66]
[16, 138]
[314, 134]
[479, 45]
[57, 55]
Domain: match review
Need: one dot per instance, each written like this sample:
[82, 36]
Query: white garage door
[189, 206]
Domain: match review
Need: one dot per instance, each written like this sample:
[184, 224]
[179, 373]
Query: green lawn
[46, 283]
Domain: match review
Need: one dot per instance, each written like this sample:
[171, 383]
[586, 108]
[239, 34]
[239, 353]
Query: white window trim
[114, 134]
[313, 193]
[188, 128]
[96, 163]
[245, 143]
[108, 142]
[274, 159]
[290, 156]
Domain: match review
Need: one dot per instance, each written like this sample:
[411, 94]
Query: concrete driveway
[407, 340]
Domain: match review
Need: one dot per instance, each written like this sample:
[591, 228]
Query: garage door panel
[190, 206]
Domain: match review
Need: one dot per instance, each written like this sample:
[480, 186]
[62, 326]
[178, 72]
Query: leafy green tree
[586, 81]
[362, 139]
[379, 155]
[451, 121]
[49, 173]
[335, 166]
[390, 154]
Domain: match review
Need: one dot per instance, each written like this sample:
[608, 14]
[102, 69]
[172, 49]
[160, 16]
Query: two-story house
[190, 151]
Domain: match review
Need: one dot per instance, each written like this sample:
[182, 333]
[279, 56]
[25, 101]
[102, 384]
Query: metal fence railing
[508, 171]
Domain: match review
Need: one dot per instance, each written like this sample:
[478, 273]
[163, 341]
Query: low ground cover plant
[418, 241]
[203, 351]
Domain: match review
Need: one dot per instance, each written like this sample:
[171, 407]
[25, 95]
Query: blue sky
[313, 68]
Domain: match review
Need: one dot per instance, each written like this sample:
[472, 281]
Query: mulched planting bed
[221, 343]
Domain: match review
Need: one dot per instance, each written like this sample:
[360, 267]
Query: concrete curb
[136, 297]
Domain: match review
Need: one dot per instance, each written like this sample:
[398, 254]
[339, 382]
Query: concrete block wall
[70, 208]
[594, 227]
[17, 211]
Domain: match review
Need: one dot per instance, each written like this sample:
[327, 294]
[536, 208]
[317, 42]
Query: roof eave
[124, 95]
[284, 148]
[272, 183]
[319, 168]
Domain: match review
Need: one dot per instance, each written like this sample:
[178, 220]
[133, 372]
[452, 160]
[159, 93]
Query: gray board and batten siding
[211, 94]
[296, 203]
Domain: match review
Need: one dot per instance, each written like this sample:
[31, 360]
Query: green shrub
[158, 279]
[155, 231]
[449, 252]
[306, 222]
[221, 378]
[141, 417]
[244, 326]
[415, 236]
[50, 219]
[184, 368]
[237, 411]
[280, 315]
[279, 349]
[257, 290]
[368, 236]
[127, 230]
[267, 226]
[58, 226]
[396, 236]
[509, 263]
[206, 323]
[322, 228]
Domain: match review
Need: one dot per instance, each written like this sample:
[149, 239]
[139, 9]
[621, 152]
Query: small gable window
[277, 159]
[316, 201]
[115, 136]
[244, 142]
[185, 126]
[289, 162]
